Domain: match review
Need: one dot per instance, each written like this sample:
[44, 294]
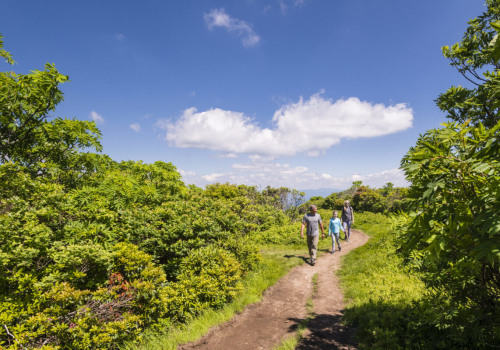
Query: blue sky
[298, 93]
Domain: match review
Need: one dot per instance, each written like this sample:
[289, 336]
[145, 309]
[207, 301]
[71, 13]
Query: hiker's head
[346, 203]
[334, 214]
[313, 208]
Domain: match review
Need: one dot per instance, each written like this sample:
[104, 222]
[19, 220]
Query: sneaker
[313, 262]
[340, 249]
[333, 251]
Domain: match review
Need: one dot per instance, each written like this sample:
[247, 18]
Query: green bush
[64, 254]
[93, 251]
[209, 278]
[280, 235]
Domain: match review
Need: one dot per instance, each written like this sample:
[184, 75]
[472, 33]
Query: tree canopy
[476, 58]
[29, 133]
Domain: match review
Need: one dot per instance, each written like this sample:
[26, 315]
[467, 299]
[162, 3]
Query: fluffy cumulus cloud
[136, 127]
[307, 126]
[96, 117]
[219, 18]
[265, 173]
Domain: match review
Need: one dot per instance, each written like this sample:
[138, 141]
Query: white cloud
[277, 174]
[284, 6]
[219, 18]
[96, 117]
[120, 37]
[227, 155]
[136, 127]
[309, 127]
[162, 124]
[212, 177]
[186, 173]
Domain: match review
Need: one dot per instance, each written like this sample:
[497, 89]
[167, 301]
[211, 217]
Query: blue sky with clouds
[297, 93]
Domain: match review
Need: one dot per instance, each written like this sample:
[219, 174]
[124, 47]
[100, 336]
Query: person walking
[334, 230]
[347, 219]
[313, 222]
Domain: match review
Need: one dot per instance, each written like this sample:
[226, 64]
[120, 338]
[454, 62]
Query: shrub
[209, 278]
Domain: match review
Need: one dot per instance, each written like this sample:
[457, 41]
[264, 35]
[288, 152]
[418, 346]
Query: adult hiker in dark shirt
[313, 222]
[347, 219]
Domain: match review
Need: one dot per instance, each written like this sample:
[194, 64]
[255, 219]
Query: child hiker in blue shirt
[334, 230]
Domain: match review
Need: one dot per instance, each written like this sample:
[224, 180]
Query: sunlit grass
[378, 290]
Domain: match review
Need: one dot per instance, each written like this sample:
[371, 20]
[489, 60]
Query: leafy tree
[286, 199]
[454, 236]
[6, 55]
[367, 199]
[30, 135]
[476, 58]
[387, 189]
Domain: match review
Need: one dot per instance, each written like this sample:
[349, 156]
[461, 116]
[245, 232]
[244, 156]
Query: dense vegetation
[453, 238]
[388, 199]
[94, 252]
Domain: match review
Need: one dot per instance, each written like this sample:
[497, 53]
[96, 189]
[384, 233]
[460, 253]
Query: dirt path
[265, 324]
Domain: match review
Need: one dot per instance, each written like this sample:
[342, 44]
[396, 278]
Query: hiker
[347, 219]
[334, 230]
[313, 222]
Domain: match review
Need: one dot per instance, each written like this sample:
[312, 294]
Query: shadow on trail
[327, 333]
[304, 258]
[295, 325]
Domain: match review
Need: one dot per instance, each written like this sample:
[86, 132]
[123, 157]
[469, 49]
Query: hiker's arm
[302, 229]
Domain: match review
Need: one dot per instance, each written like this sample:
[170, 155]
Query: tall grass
[381, 294]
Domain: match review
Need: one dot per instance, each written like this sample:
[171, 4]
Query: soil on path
[264, 325]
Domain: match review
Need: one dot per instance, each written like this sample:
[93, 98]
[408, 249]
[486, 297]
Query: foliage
[385, 200]
[93, 252]
[74, 240]
[388, 199]
[275, 264]
[209, 278]
[476, 58]
[382, 295]
[280, 235]
[454, 235]
[30, 137]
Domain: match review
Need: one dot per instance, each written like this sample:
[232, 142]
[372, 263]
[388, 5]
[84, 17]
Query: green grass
[379, 291]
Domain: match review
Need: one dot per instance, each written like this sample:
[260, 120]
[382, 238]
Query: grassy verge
[380, 293]
[276, 262]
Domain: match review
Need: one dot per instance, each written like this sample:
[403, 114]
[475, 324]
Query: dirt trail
[265, 324]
